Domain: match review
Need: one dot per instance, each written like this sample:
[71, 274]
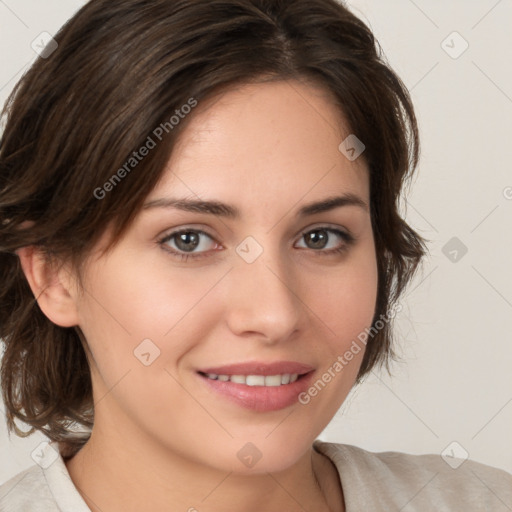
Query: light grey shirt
[371, 482]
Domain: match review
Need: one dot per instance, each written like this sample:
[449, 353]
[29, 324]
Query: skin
[162, 440]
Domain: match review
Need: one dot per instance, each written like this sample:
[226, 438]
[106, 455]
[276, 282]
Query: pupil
[318, 239]
[185, 239]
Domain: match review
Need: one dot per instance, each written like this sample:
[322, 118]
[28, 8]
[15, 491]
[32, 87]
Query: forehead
[271, 142]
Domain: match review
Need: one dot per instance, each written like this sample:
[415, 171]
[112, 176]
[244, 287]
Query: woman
[201, 197]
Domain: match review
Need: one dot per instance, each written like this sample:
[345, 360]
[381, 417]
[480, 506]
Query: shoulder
[418, 482]
[44, 487]
[28, 491]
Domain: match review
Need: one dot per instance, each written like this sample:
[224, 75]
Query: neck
[113, 473]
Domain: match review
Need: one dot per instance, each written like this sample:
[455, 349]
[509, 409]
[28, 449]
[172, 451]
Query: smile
[259, 393]
[256, 380]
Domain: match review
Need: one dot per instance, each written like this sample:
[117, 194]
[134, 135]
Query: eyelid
[327, 227]
[343, 233]
[166, 237]
[347, 237]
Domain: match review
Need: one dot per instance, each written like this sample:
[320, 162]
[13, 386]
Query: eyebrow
[232, 212]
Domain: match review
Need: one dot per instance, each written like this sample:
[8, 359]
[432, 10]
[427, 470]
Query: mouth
[259, 386]
[256, 380]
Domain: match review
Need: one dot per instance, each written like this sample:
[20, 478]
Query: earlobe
[50, 287]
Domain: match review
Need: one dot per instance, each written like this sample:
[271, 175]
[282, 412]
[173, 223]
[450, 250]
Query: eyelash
[348, 241]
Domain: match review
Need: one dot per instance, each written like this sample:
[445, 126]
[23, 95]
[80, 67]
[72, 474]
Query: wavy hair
[122, 68]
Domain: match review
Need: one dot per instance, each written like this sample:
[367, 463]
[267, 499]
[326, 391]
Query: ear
[51, 286]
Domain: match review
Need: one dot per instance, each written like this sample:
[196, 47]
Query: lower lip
[260, 398]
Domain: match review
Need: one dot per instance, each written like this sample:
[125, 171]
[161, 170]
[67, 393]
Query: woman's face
[264, 284]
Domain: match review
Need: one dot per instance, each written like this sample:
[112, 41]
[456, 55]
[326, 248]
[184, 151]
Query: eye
[188, 242]
[327, 240]
[194, 243]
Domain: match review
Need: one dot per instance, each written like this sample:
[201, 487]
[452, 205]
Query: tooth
[255, 380]
[273, 380]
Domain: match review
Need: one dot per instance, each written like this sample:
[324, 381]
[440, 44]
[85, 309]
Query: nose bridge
[262, 296]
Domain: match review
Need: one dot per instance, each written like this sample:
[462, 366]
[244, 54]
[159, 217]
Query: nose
[262, 299]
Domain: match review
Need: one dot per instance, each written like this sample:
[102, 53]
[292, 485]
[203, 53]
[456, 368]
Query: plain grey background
[452, 394]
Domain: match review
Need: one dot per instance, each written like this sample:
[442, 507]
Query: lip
[260, 368]
[259, 398]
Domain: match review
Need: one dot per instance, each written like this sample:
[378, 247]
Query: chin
[256, 455]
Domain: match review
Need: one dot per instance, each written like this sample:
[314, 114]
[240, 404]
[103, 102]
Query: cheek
[344, 299]
[138, 330]
[346, 294]
[127, 303]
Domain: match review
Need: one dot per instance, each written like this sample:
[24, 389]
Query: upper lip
[260, 368]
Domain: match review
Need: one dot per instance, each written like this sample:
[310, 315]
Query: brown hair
[123, 68]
